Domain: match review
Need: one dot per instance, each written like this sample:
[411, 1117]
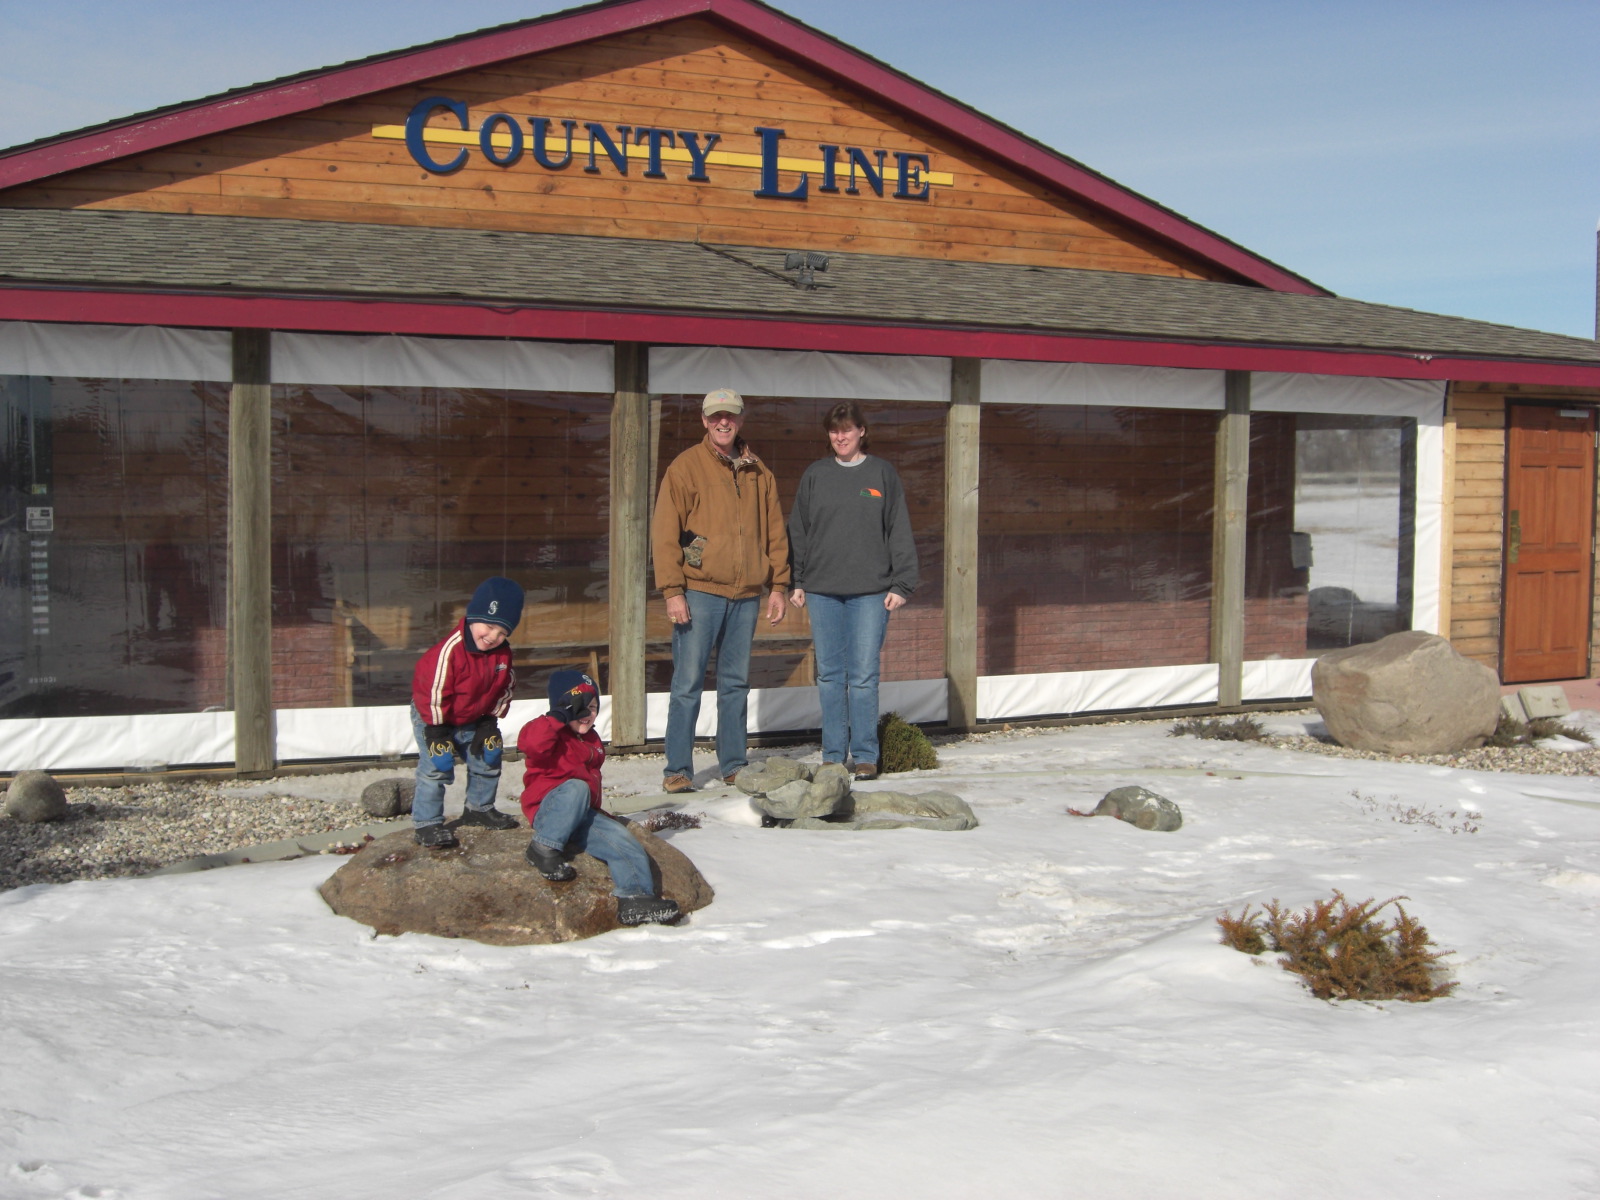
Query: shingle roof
[252, 256]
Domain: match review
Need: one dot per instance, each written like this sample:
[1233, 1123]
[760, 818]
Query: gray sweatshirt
[849, 531]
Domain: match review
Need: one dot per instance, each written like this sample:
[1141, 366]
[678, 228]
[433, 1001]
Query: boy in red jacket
[460, 690]
[562, 756]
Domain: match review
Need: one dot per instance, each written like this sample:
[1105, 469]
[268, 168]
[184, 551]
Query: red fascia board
[765, 25]
[467, 320]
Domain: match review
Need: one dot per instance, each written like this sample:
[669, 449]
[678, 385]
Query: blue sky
[1441, 156]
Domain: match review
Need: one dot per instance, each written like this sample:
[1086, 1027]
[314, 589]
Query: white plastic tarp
[1002, 697]
[1277, 678]
[813, 374]
[115, 351]
[390, 360]
[1007, 381]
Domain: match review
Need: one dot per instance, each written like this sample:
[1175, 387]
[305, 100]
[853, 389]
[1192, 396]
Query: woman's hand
[798, 597]
[893, 600]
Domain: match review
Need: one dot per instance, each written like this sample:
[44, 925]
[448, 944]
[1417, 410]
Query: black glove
[486, 741]
[441, 743]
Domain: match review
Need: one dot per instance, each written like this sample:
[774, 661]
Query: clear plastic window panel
[113, 546]
[390, 505]
[786, 434]
[1331, 532]
[1094, 547]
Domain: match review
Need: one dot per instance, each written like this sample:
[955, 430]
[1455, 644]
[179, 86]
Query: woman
[854, 564]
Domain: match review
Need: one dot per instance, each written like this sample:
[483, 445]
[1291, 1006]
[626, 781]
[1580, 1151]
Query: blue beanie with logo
[498, 601]
[570, 693]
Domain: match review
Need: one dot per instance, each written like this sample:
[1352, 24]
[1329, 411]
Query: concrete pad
[1511, 705]
[1546, 700]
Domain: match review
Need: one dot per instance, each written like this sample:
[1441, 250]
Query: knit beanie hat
[570, 693]
[498, 601]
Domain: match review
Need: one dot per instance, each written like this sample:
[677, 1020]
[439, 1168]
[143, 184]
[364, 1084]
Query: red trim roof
[776, 30]
[465, 320]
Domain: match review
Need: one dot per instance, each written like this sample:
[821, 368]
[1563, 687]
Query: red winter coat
[553, 754]
[457, 685]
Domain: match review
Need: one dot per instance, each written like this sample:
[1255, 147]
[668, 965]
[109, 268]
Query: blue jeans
[483, 781]
[567, 819]
[730, 627]
[847, 633]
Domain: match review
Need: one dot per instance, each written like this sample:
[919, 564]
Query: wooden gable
[348, 161]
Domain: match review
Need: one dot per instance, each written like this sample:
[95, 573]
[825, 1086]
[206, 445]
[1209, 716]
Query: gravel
[112, 831]
[118, 831]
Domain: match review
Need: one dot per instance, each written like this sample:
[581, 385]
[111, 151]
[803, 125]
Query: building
[286, 370]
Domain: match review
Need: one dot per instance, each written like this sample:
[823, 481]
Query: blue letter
[617, 155]
[540, 125]
[769, 168]
[907, 173]
[697, 156]
[874, 177]
[418, 121]
[830, 169]
[486, 140]
[652, 137]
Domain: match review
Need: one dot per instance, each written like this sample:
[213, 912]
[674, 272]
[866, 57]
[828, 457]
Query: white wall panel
[386, 360]
[685, 370]
[115, 351]
[1007, 381]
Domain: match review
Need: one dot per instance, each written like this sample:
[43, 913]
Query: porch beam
[250, 552]
[961, 545]
[1230, 501]
[631, 468]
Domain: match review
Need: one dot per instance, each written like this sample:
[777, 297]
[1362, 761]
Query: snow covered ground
[1038, 1008]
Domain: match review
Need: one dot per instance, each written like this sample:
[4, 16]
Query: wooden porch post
[1231, 496]
[961, 545]
[631, 464]
[250, 551]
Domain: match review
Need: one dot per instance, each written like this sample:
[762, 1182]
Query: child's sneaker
[488, 818]
[435, 837]
[645, 910]
[552, 864]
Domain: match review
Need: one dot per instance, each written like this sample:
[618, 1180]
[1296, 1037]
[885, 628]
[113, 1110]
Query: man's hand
[893, 600]
[678, 610]
[775, 606]
[798, 597]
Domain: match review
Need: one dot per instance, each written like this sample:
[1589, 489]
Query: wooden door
[1549, 551]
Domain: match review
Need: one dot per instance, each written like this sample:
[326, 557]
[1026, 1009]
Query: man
[718, 541]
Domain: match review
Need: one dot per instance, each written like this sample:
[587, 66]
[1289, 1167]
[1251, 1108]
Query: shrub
[671, 819]
[903, 747]
[1344, 951]
[1240, 729]
[1510, 732]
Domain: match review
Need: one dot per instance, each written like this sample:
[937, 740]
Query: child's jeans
[483, 781]
[566, 820]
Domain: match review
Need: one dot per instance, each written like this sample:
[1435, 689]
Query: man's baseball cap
[723, 400]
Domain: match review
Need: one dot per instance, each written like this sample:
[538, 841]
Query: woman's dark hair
[847, 412]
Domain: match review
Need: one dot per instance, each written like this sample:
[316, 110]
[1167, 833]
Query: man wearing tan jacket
[718, 541]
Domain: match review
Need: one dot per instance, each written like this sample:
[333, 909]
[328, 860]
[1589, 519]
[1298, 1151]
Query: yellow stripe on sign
[719, 158]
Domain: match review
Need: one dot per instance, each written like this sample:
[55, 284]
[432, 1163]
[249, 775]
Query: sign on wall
[548, 144]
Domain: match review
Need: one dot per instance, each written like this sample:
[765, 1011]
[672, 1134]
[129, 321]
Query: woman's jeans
[566, 820]
[847, 632]
[483, 781]
[728, 626]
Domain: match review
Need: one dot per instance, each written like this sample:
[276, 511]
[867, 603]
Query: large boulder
[897, 810]
[35, 797]
[1409, 693]
[485, 890]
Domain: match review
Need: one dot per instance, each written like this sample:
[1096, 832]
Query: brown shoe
[674, 784]
[866, 770]
[729, 779]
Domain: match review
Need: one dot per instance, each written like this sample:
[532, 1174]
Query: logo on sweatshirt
[872, 492]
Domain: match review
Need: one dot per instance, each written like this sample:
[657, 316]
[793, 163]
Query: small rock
[389, 797]
[761, 779]
[1141, 808]
[34, 797]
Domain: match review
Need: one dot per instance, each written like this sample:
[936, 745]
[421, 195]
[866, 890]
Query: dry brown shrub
[1344, 951]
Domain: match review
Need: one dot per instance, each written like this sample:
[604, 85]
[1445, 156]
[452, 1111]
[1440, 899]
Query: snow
[1037, 1008]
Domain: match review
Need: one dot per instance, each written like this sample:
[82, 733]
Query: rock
[760, 779]
[898, 810]
[389, 797]
[485, 890]
[821, 797]
[1141, 808]
[1547, 701]
[1409, 693]
[34, 797]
